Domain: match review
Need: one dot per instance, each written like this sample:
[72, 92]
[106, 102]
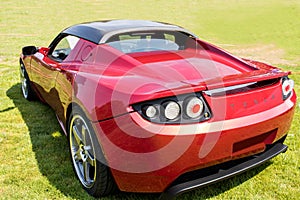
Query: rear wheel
[26, 89]
[86, 156]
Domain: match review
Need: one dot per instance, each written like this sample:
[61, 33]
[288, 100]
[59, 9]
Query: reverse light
[172, 110]
[150, 111]
[287, 87]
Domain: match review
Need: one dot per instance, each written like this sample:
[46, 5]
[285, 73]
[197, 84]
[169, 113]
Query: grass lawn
[33, 150]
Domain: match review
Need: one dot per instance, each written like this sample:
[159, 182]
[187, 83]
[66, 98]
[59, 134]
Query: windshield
[151, 41]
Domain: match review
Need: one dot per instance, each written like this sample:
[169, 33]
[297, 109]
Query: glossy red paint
[147, 157]
[202, 145]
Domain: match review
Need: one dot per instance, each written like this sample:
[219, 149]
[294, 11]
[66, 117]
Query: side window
[170, 37]
[64, 47]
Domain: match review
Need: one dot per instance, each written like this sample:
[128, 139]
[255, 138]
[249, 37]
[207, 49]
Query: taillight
[186, 108]
[150, 111]
[171, 110]
[194, 107]
[287, 87]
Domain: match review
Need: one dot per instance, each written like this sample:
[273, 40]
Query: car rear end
[236, 121]
[194, 118]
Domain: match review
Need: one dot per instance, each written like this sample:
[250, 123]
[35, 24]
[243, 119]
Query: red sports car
[149, 107]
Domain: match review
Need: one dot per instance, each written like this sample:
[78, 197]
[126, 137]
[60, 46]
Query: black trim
[53, 45]
[199, 178]
[99, 31]
[86, 32]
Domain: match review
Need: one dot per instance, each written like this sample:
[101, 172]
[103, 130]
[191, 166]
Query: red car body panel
[244, 134]
[106, 83]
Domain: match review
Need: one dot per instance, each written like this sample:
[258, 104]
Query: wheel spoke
[86, 172]
[77, 155]
[83, 133]
[90, 160]
[76, 135]
[22, 73]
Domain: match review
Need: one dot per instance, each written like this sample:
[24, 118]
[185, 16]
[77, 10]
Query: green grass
[34, 154]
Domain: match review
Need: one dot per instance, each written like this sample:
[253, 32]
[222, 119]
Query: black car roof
[99, 31]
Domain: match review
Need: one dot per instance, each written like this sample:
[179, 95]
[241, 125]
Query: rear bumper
[207, 176]
[146, 157]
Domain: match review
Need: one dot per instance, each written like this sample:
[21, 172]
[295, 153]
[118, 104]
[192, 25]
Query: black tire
[87, 157]
[26, 89]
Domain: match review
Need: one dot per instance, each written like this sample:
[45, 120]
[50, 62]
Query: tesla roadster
[149, 107]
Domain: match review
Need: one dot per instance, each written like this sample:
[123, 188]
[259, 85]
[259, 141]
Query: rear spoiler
[240, 79]
[216, 85]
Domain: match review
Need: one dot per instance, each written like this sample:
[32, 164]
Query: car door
[46, 67]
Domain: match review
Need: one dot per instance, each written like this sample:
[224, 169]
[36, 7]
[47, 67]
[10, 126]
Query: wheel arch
[69, 110]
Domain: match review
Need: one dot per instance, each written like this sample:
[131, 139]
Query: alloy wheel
[82, 151]
[24, 81]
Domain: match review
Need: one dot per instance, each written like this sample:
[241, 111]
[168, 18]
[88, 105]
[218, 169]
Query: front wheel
[26, 89]
[94, 176]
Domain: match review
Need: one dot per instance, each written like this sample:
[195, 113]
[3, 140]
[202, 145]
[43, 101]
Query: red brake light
[194, 107]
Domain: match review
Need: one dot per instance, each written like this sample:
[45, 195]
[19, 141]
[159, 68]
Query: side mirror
[29, 50]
